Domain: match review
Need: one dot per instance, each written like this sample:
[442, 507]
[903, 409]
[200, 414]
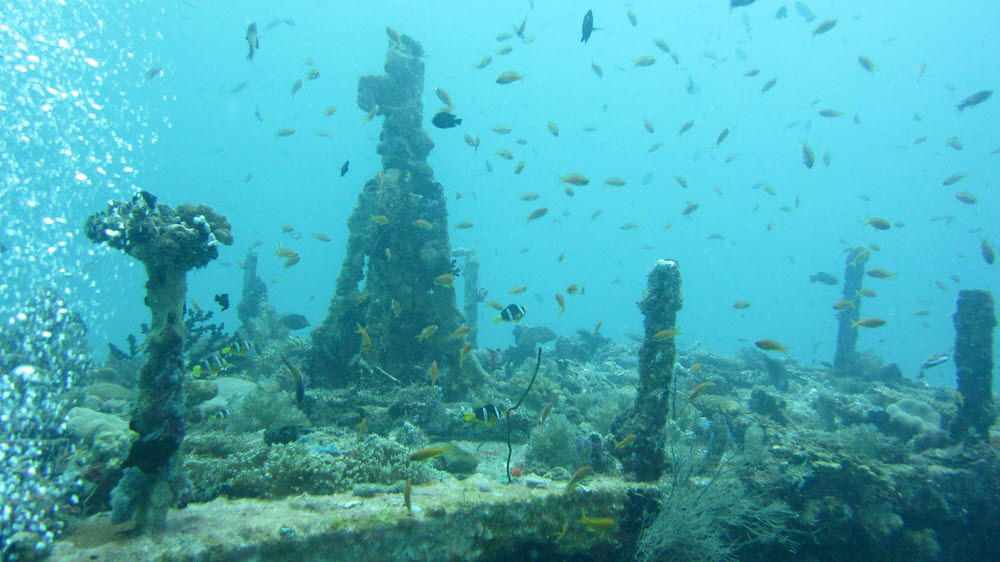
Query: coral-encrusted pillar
[845, 360]
[975, 320]
[659, 305]
[169, 243]
[402, 320]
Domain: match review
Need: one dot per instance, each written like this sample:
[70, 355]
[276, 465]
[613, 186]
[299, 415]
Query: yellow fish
[366, 340]
[664, 335]
[426, 332]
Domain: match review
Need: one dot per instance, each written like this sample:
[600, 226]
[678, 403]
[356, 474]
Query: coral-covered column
[169, 243]
[659, 305]
[845, 361]
[974, 323]
[402, 320]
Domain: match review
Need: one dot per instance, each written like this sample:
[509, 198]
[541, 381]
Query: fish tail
[469, 416]
[497, 320]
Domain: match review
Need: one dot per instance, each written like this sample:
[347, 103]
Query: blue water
[184, 137]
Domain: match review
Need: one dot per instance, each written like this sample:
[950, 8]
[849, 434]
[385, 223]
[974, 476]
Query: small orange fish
[464, 225]
[843, 304]
[562, 304]
[664, 335]
[698, 390]
[537, 214]
[434, 373]
[427, 332]
[771, 345]
[366, 340]
[881, 274]
[597, 328]
[445, 280]
[518, 290]
[869, 323]
[741, 305]
[626, 441]
[877, 224]
[465, 351]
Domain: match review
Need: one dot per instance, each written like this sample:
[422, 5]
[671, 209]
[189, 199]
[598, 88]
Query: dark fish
[239, 87]
[588, 26]
[252, 39]
[257, 114]
[272, 24]
[782, 13]
[445, 120]
[824, 278]
[294, 321]
[933, 361]
[513, 313]
[808, 157]
[740, 3]
[488, 414]
[975, 99]
[343, 169]
[223, 301]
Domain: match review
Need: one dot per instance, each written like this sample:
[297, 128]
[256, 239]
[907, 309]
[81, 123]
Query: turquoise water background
[83, 125]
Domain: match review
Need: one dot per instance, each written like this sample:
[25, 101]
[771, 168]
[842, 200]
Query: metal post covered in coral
[403, 319]
[845, 360]
[659, 305]
[169, 243]
[975, 320]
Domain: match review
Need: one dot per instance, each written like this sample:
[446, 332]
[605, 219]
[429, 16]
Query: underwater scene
[527, 280]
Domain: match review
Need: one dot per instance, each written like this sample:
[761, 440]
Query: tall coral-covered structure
[398, 247]
[169, 243]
